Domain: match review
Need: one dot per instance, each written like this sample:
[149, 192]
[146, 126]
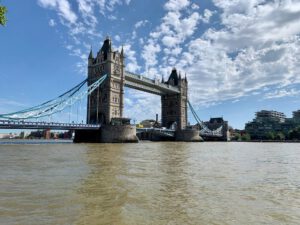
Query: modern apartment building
[270, 121]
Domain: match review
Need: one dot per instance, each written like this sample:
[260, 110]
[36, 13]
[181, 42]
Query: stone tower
[174, 106]
[107, 101]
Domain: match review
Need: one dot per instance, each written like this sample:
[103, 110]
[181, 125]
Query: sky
[239, 56]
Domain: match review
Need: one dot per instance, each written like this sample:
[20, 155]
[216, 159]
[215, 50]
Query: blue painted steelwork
[6, 124]
[205, 131]
[55, 105]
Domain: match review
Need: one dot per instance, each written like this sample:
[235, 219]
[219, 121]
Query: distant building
[296, 115]
[149, 123]
[267, 122]
[266, 115]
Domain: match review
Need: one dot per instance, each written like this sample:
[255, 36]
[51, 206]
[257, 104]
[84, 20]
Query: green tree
[3, 10]
[294, 134]
[246, 137]
[270, 136]
[237, 137]
[280, 136]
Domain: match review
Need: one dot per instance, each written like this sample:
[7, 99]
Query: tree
[237, 137]
[294, 134]
[270, 136]
[3, 10]
[280, 136]
[246, 137]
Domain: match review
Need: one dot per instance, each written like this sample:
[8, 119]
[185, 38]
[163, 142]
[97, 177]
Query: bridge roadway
[145, 84]
[166, 132]
[6, 124]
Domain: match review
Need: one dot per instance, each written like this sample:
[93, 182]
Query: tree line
[291, 135]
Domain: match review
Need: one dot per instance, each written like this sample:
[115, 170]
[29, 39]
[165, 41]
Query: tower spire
[122, 51]
[91, 54]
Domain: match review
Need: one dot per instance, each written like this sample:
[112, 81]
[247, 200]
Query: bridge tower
[174, 106]
[107, 101]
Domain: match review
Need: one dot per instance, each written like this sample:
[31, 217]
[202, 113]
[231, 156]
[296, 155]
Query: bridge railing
[42, 124]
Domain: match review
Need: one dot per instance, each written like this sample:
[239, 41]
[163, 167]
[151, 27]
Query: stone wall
[188, 136]
[118, 134]
[87, 136]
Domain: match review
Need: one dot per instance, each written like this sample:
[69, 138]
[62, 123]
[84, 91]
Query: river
[150, 183]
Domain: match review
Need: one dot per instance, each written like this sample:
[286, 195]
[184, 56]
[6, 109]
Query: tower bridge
[107, 102]
[106, 80]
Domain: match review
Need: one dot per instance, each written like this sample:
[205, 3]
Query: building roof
[106, 47]
[173, 78]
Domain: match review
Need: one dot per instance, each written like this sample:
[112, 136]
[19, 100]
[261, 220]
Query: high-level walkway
[153, 86]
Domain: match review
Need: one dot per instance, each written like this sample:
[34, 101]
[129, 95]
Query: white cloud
[178, 25]
[149, 53]
[109, 5]
[207, 15]
[140, 23]
[52, 23]
[117, 38]
[249, 47]
[176, 5]
[282, 93]
[257, 46]
[195, 6]
[62, 7]
[141, 105]
[131, 65]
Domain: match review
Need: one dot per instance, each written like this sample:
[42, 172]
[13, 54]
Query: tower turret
[174, 106]
[107, 101]
[91, 58]
[122, 52]
[173, 78]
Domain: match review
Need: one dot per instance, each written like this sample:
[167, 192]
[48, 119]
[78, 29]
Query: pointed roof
[122, 51]
[106, 47]
[173, 78]
[91, 54]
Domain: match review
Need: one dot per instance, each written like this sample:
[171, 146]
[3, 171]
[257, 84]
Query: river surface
[150, 183]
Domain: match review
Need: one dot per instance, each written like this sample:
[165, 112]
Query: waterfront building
[296, 115]
[267, 123]
[270, 115]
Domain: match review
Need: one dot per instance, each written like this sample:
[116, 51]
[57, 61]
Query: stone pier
[188, 135]
[107, 134]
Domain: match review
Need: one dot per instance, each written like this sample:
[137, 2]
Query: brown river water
[150, 183]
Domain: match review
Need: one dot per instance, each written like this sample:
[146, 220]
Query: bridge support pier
[118, 134]
[107, 134]
[188, 135]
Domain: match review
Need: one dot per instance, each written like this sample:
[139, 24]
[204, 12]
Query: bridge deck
[5, 124]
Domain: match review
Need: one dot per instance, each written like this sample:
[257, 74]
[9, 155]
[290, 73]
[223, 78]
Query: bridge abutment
[118, 134]
[87, 136]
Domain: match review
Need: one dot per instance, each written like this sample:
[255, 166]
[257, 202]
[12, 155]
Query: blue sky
[239, 56]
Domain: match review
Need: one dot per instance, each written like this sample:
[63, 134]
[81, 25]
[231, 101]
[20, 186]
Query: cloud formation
[235, 49]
